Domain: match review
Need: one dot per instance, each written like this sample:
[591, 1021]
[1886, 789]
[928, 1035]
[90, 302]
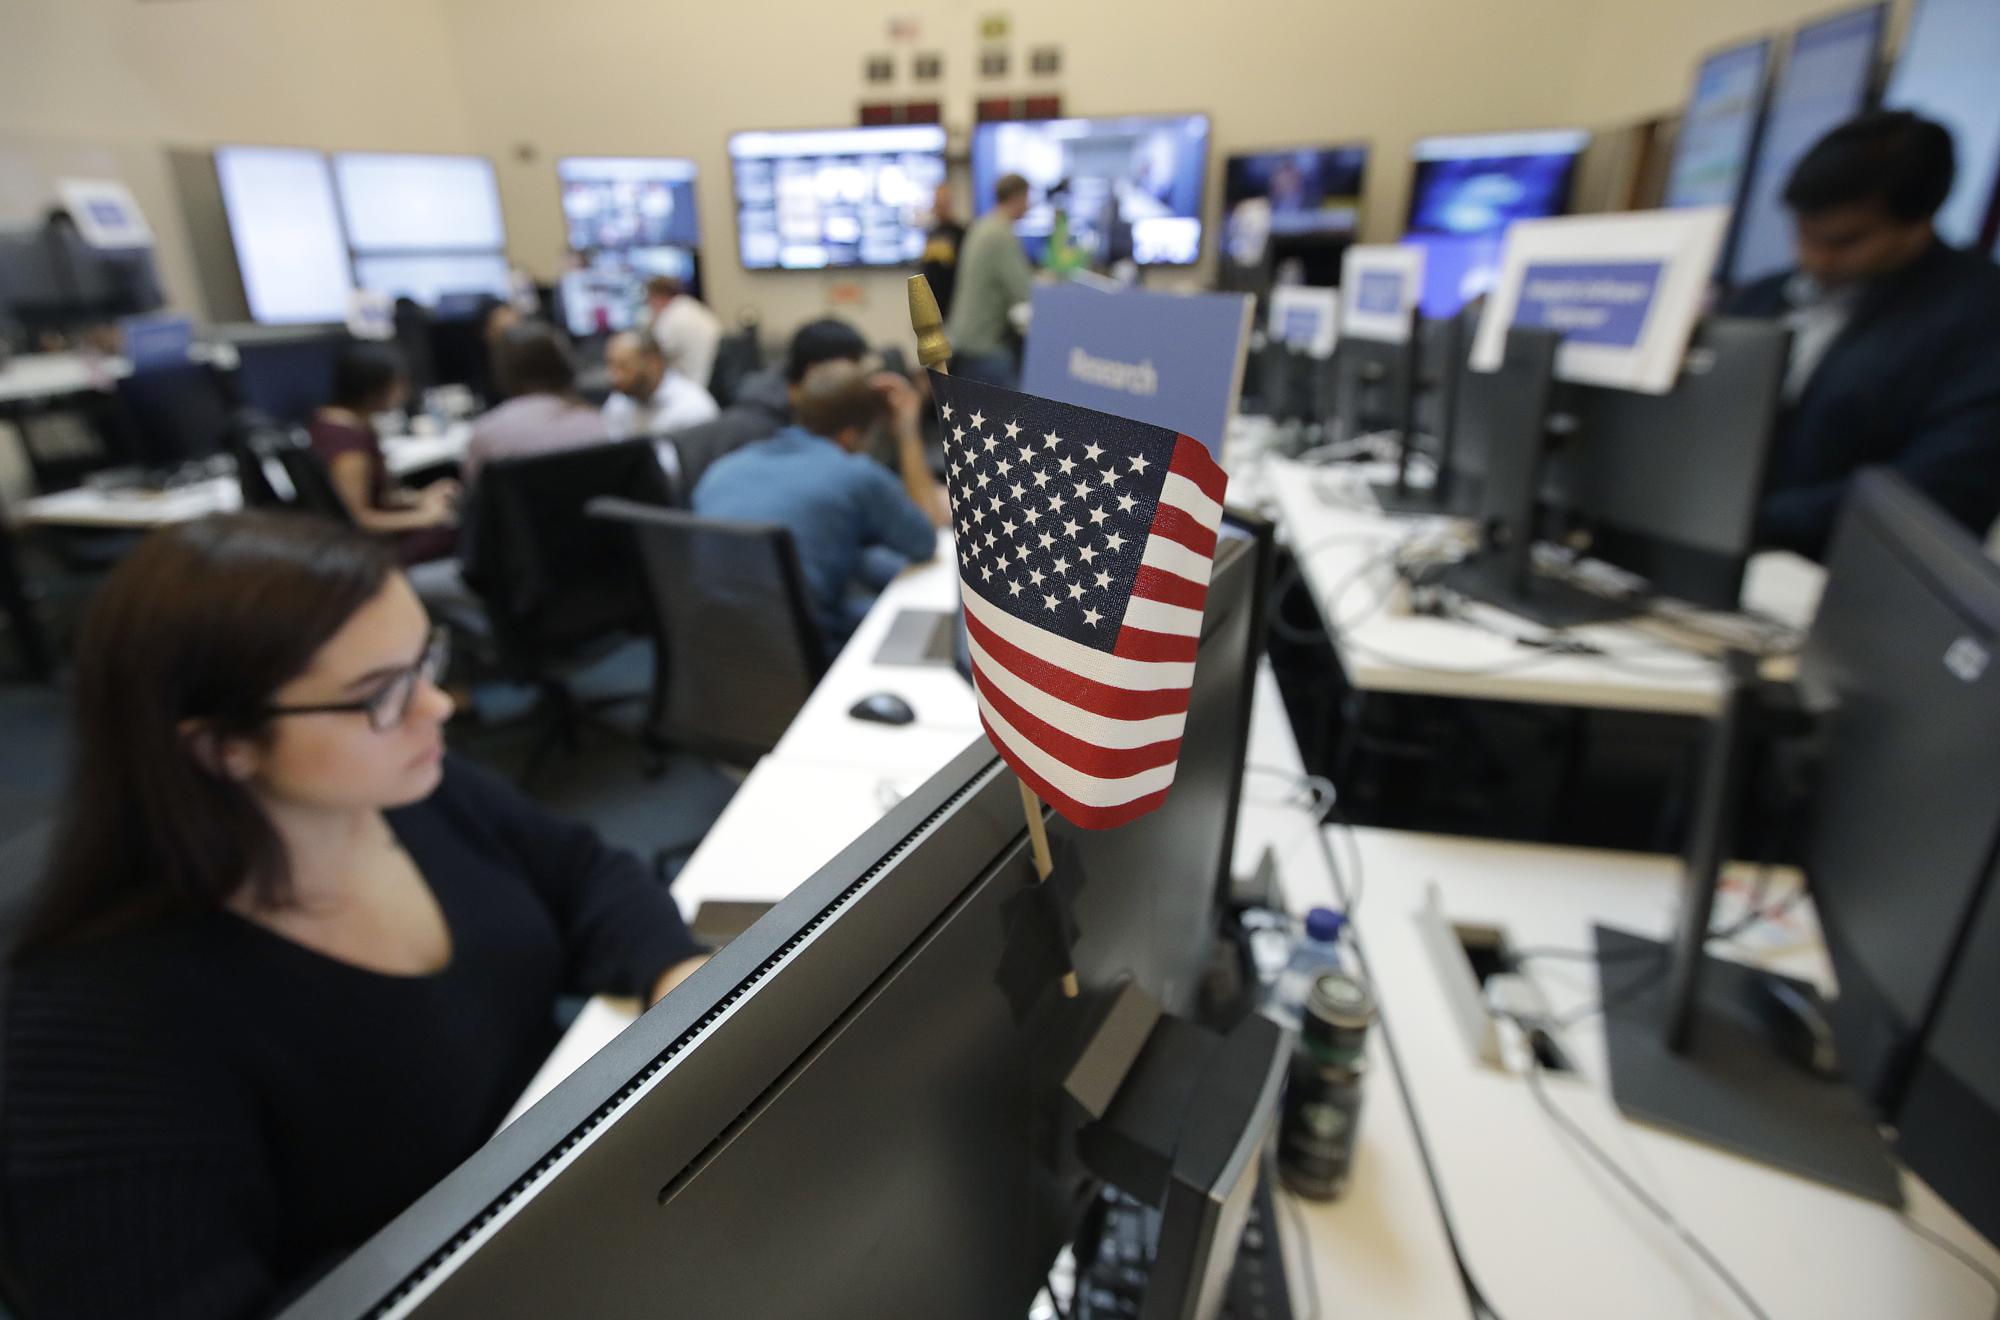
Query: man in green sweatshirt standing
[993, 275]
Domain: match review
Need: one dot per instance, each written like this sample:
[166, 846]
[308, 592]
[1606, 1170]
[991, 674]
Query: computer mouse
[882, 708]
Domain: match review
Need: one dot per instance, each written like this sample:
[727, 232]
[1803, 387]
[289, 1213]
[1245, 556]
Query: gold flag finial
[933, 349]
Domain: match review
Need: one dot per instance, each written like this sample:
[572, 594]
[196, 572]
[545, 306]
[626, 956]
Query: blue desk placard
[1171, 359]
[1379, 292]
[153, 343]
[1590, 302]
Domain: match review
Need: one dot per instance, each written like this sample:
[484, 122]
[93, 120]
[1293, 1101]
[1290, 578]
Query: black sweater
[200, 1114]
[1912, 382]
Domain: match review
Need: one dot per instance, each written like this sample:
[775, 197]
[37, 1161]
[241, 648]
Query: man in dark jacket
[1896, 336]
[763, 404]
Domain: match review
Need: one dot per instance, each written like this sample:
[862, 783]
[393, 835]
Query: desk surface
[1343, 550]
[1546, 1234]
[138, 510]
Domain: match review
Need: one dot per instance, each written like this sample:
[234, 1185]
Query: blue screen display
[1480, 185]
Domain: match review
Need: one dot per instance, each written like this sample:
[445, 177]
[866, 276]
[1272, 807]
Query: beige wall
[558, 77]
[102, 86]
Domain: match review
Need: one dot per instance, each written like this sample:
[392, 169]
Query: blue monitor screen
[1474, 185]
[615, 203]
[1825, 82]
[1457, 269]
[1306, 190]
[834, 197]
[1130, 188]
[1719, 129]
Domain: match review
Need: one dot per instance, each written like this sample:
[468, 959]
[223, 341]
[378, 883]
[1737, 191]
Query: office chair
[258, 447]
[562, 589]
[737, 355]
[312, 484]
[738, 651]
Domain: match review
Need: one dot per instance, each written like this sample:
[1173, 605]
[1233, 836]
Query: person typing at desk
[292, 962]
[844, 509]
[1895, 335]
[370, 379]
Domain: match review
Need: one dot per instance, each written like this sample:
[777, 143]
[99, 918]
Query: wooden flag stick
[934, 353]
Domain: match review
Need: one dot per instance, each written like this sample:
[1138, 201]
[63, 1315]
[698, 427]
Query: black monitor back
[1667, 485]
[845, 1112]
[1907, 817]
[176, 414]
[286, 378]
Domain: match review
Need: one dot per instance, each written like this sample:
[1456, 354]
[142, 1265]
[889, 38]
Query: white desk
[1547, 1234]
[1343, 548]
[404, 454]
[947, 718]
[131, 510]
[32, 376]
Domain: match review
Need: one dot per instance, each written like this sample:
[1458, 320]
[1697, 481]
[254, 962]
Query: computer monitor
[1828, 75]
[605, 291]
[1899, 850]
[852, 1108]
[393, 202]
[1301, 192]
[834, 197]
[1464, 192]
[628, 202]
[1718, 135]
[175, 414]
[1667, 486]
[1718, 131]
[1131, 187]
[51, 279]
[284, 223]
[286, 378]
[1944, 71]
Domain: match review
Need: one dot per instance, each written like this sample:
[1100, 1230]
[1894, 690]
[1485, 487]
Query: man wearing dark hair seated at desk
[1896, 336]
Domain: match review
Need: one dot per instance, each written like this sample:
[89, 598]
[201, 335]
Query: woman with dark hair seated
[369, 379]
[291, 963]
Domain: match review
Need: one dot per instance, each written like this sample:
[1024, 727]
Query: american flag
[1084, 548]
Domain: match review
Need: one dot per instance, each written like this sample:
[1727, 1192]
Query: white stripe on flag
[1182, 493]
[1110, 670]
[1087, 789]
[1075, 721]
[1157, 616]
[1170, 556]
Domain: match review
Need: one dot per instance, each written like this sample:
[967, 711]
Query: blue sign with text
[1380, 294]
[1590, 302]
[1171, 359]
[153, 343]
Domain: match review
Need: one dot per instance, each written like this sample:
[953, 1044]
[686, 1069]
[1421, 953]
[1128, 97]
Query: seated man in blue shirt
[844, 509]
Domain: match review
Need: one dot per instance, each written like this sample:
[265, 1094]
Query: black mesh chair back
[737, 354]
[554, 580]
[739, 651]
[258, 446]
[312, 488]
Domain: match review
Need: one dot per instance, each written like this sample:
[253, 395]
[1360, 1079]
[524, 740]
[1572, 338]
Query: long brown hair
[202, 622]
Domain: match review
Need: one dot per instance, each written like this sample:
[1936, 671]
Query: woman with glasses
[291, 962]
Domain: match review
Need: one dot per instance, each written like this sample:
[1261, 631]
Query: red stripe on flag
[1191, 460]
[1177, 524]
[1138, 644]
[1077, 813]
[1066, 684]
[1077, 753]
[1169, 588]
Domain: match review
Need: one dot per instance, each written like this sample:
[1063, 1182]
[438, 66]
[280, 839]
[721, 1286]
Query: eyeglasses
[390, 705]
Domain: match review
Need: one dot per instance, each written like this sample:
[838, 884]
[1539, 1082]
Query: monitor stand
[1715, 1050]
[1512, 410]
[1740, 1083]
